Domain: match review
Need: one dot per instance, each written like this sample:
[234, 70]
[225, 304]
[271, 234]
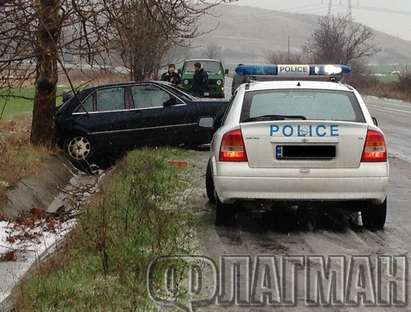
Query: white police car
[298, 139]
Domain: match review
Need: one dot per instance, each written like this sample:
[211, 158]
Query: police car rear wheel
[225, 213]
[210, 184]
[374, 216]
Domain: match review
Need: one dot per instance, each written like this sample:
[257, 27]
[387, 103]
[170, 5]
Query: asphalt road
[320, 232]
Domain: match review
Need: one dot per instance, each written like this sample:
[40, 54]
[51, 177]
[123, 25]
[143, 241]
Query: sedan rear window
[110, 99]
[310, 104]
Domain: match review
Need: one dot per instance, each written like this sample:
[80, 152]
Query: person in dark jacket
[200, 81]
[171, 75]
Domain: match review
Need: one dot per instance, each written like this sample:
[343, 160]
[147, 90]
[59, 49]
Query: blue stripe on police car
[320, 130]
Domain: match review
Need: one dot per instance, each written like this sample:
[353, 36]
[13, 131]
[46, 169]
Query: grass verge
[102, 265]
[19, 158]
[20, 101]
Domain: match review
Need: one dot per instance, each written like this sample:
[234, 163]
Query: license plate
[305, 152]
[318, 130]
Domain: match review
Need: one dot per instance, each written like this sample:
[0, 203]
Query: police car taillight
[232, 147]
[375, 149]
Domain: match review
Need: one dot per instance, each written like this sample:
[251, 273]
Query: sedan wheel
[79, 148]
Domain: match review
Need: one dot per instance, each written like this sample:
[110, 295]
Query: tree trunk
[42, 131]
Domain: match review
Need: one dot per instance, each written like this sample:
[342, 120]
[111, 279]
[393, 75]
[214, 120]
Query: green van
[216, 76]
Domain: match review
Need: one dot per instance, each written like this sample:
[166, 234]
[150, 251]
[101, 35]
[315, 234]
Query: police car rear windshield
[301, 104]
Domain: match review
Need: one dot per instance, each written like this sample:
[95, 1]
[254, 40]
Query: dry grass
[363, 80]
[18, 158]
[89, 77]
[388, 91]
[395, 90]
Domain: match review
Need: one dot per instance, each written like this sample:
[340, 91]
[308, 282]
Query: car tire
[374, 215]
[225, 213]
[210, 184]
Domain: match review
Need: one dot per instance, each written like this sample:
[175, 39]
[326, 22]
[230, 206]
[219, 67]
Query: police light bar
[296, 71]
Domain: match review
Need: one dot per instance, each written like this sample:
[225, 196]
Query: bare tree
[144, 31]
[36, 37]
[340, 40]
[213, 51]
[284, 58]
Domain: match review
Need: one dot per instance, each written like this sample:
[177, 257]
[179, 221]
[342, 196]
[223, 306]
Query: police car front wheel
[374, 215]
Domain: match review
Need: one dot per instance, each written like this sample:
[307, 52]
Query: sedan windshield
[301, 104]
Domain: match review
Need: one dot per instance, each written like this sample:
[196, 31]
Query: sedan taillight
[233, 148]
[375, 149]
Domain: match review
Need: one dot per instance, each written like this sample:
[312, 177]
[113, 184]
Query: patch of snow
[28, 239]
[27, 251]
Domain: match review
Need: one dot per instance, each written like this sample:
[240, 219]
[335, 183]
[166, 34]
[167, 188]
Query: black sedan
[110, 118]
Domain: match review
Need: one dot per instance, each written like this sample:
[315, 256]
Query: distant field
[14, 105]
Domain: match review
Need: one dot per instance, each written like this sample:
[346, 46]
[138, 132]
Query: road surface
[321, 232]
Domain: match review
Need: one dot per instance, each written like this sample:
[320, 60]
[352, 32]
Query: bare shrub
[275, 57]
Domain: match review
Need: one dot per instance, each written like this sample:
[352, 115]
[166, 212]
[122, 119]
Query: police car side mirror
[206, 122]
[375, 121]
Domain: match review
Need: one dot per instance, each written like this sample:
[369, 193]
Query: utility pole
[350, 9]
[330, 7]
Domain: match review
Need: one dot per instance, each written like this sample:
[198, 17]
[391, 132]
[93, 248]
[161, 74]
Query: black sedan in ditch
[110, 118]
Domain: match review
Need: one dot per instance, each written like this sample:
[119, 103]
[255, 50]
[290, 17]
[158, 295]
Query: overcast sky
[390, 16]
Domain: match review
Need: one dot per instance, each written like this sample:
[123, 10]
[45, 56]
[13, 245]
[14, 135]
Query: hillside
[246, 34]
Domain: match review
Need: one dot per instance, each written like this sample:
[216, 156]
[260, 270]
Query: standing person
[200, 81]
[171, 75]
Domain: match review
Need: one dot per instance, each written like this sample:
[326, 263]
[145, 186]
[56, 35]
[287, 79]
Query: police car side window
[147, 96]
[110, 99]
